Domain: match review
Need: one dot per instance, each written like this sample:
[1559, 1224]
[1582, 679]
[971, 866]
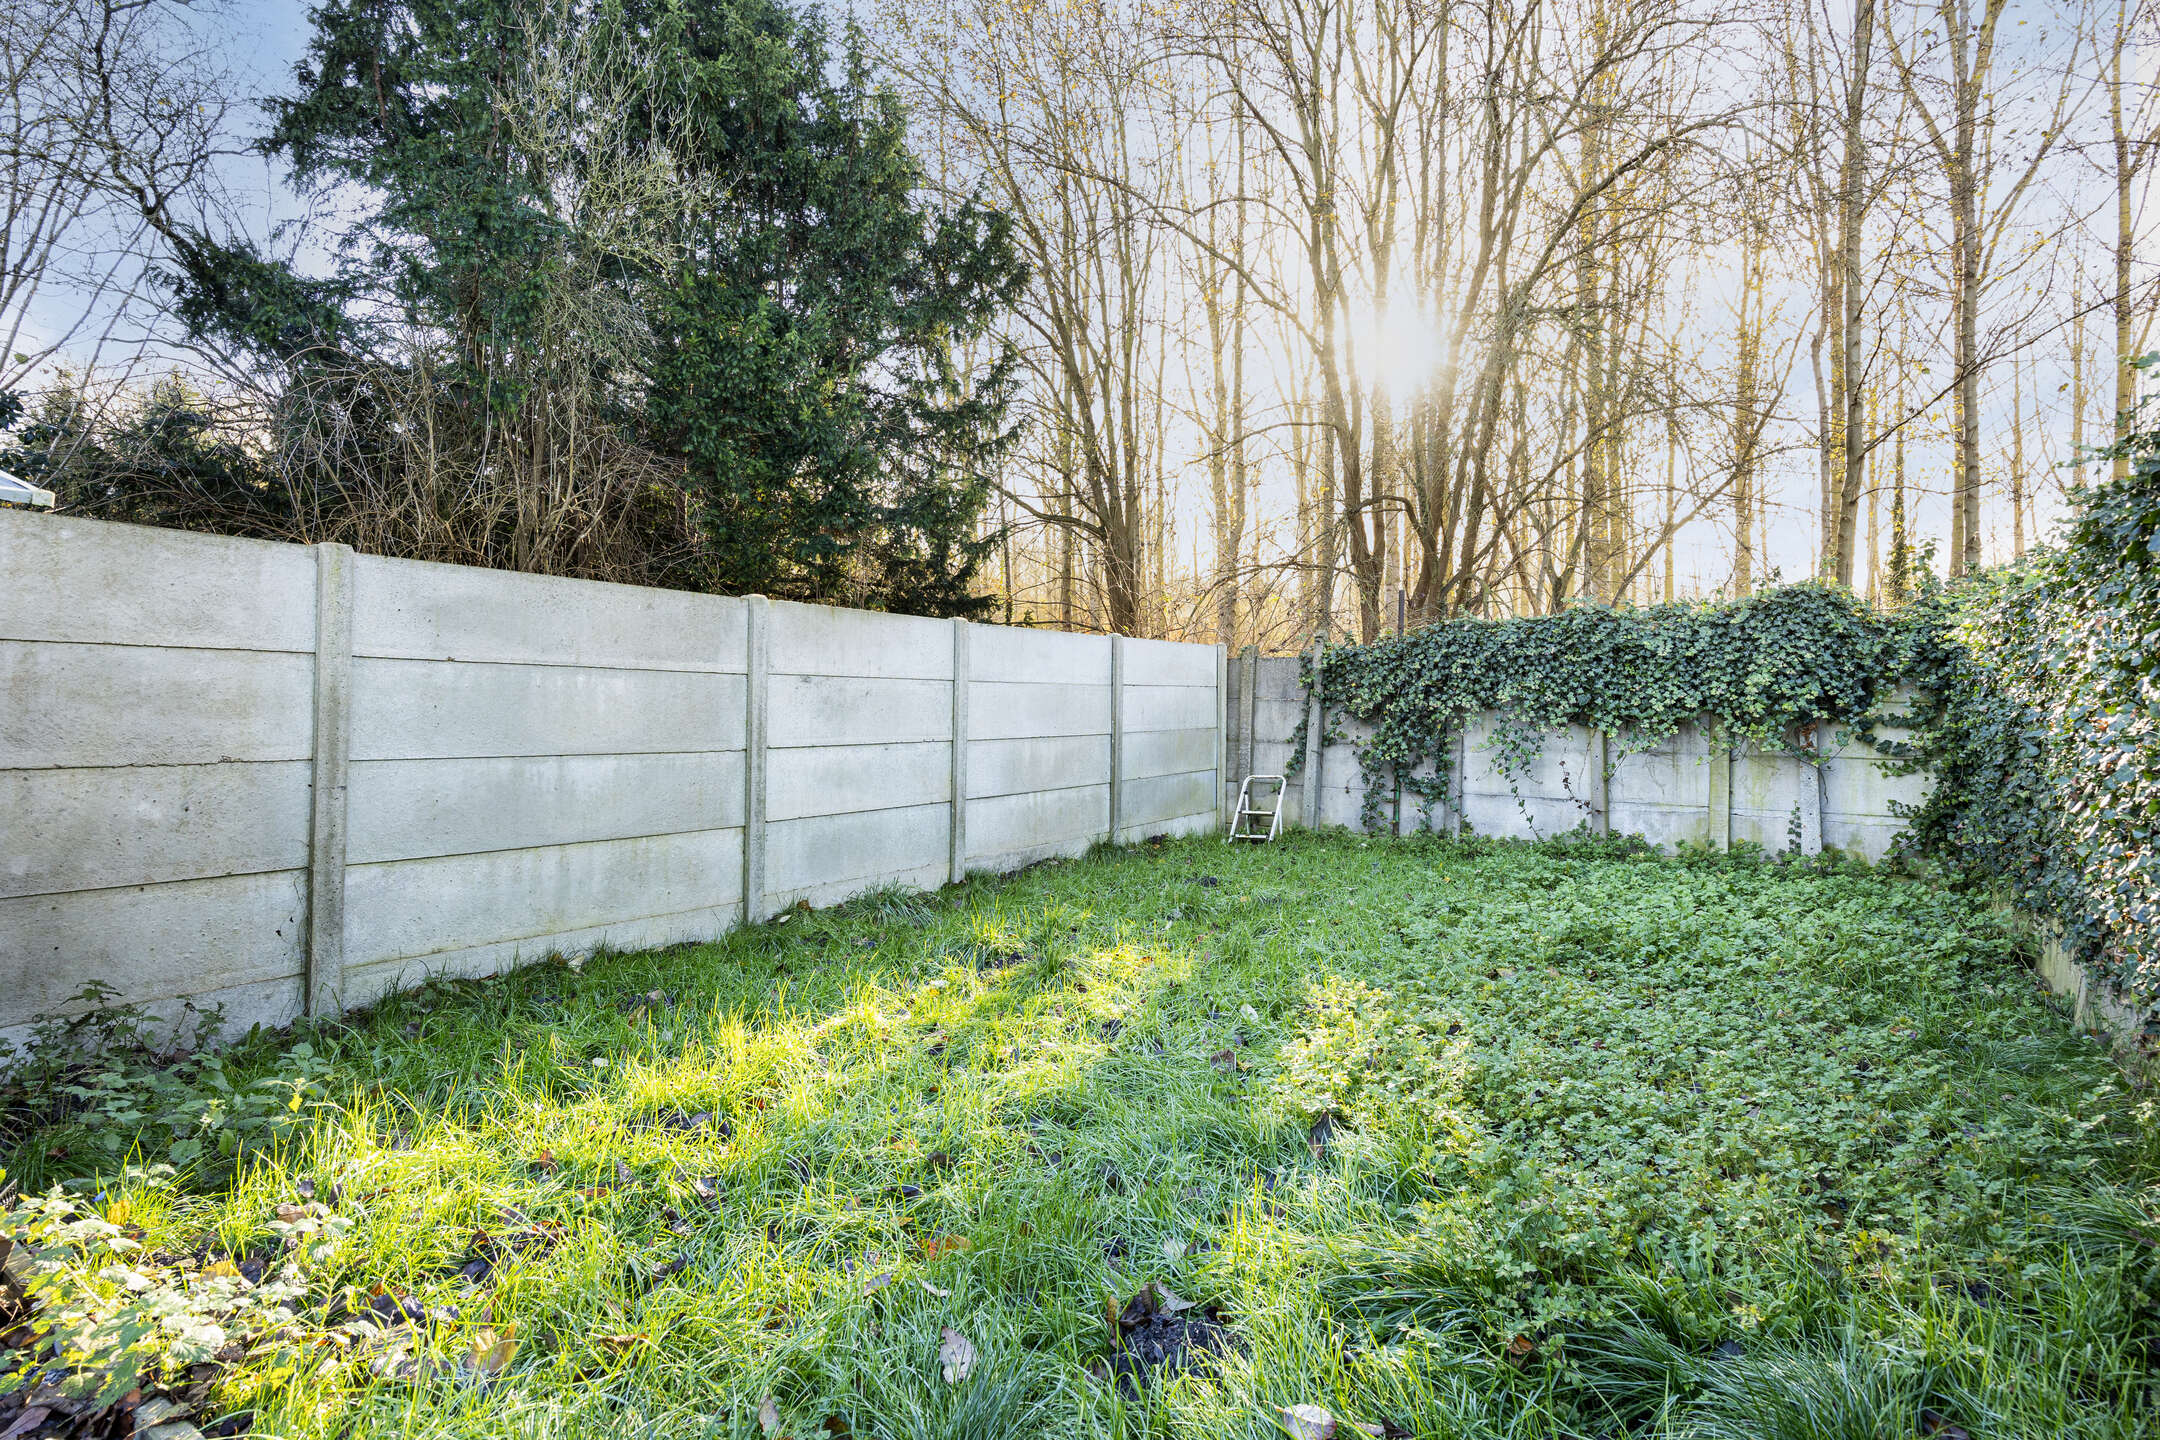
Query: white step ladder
[1248, 811]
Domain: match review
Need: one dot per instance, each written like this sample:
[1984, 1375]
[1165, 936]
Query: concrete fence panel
[275, 777]
[1695, 787]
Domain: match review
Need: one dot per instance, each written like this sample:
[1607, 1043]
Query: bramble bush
[109, 1084]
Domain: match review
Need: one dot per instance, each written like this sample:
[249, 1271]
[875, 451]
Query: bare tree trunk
[1874, 538]
[1748, 416]
[2017, 459]
[2135, 134]
[1851, 211]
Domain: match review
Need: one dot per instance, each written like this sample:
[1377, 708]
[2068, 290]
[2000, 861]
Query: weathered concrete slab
[1153, 800]
[1168, 752]
[1278, 680]
[1767, 783]
[1275, 721]
[420, 809]
[91, 705]
[367, 983]
[1172, 827]
[1006, 654]
[826, 858]
[1561, 770]
[410, 609]
[848, 779]
[146, 824]
[418, 709]
[1867, 836]
[1859, 785]
[1019, 766]
[1165, 662]
[1665, 826]
[1169, 707]
[412, 909]
[151, 942]
[1010, 830]
[819, 640]
[1002, 710]
[824, 710]
[1530, 816]
[1675, 773]
[95, 582]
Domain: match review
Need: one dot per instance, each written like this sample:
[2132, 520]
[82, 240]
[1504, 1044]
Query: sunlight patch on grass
[1609, 1143]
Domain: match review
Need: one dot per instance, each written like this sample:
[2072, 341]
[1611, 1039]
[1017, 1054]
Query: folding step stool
[1247, 811]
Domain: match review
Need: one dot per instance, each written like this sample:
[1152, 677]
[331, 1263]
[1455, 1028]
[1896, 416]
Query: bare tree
[1948, 68]
[113, 118]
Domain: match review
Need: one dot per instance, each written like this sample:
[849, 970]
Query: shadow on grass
[680, 1184]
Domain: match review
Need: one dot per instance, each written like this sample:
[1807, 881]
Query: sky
[262, 40]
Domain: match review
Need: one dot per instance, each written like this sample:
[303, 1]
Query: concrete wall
[1683, 789]
[267, 776]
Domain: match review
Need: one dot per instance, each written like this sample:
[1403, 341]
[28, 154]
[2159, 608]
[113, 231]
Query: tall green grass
[1615, 1146]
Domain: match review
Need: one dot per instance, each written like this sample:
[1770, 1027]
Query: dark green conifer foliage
[816, 356]
[811, 346]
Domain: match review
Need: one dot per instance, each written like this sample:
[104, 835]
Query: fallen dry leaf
[768, 1416]
[1224, 1060]
[491, 1353]
[1941, 1427]
[877, 1282]
[938, 1290]
[617, 1344]
[956, 1354]
[938, 1245]
[1308, 1422]
[1321, 1136]
[1153, 1298]
[29, 1420]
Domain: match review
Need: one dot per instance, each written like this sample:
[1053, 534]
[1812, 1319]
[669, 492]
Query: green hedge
[2042, 723]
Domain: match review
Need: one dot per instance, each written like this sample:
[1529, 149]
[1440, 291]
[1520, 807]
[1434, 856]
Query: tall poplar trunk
[1852, 182]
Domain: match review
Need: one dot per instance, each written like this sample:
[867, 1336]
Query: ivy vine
[2035, 704]
[2042, 725]
[1762, 669]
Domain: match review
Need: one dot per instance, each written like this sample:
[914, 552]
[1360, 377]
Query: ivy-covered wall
[1760, 670]
[2042, 720]
[2035, 707]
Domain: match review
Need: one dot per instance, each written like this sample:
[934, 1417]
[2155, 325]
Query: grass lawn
[1448, 1139]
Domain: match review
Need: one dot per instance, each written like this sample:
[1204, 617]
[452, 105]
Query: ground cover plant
[1332, 1136]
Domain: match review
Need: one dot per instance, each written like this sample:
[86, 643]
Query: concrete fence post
[1249, 719]
[323, 984]
[757, 662]
[1600, 783]
[1314, 744]
[1117, 736]
[1459, 779]
[1720, 799]
[1811, 793]
[1222, 733]
[958, 866]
